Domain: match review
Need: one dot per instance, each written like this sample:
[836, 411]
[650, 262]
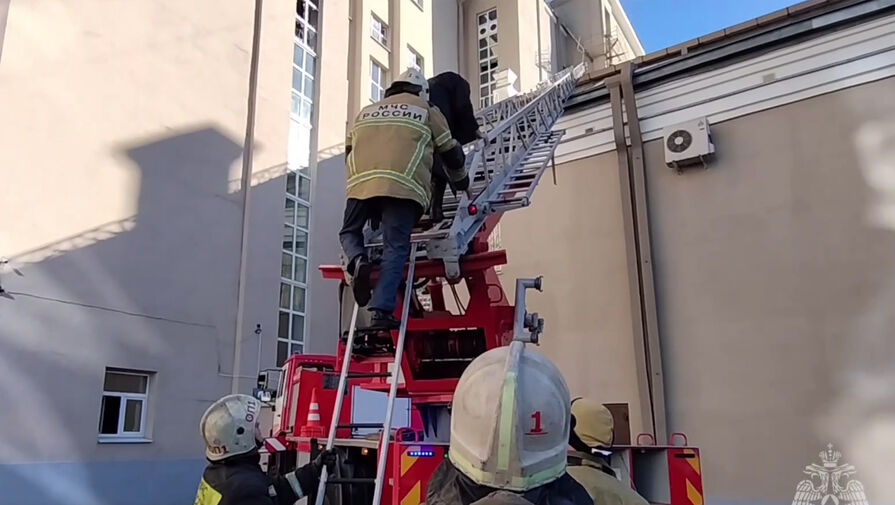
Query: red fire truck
[416, 368]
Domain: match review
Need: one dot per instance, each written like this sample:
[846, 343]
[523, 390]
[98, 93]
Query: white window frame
[383, 78]
[121, 435]
[413, 56]
[292, 281]
[304, 19]
[486, 94]
[379, 30]
[303, 97]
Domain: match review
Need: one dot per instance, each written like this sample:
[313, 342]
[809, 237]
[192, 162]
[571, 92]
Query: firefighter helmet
[415, 77]
[230, 427]
[593, 423]
[510, 419]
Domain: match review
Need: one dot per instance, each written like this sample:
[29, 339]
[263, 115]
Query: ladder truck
[419, 365]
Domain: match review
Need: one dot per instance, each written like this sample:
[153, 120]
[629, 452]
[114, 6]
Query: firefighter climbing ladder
[504, 170]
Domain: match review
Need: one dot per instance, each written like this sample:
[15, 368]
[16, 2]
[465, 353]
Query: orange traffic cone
[313, 428]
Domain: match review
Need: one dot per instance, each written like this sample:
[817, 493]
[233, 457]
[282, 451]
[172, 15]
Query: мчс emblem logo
[830, 483]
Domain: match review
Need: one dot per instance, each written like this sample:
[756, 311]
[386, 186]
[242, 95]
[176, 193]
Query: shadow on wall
[326, 221]
[155, 292]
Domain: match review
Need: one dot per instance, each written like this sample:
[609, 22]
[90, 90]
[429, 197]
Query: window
[122, 413]
[415, 60]
[294, 266]
[379, 31]
[304, 64]
[297, 201]
[377, 81]
[487, 25]
[307, 16]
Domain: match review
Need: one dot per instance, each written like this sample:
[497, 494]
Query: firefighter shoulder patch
[207, 495]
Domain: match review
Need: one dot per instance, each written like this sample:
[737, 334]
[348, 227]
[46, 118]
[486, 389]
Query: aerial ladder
[424, 358]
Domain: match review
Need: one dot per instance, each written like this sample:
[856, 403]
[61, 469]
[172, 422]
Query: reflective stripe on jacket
[392, 144]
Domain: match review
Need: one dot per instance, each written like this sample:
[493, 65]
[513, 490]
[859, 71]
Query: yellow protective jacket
[391, 148]
[603, 487]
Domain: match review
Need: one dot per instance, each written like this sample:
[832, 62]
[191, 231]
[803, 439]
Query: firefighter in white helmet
[591, 439]
[390, 153]
[234, 476]
[510, 425]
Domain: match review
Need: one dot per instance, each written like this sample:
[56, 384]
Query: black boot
[360, 270]
[383, 321]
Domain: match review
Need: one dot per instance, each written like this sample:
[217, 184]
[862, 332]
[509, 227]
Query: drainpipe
[538, 58]
[247, 159]
[632, 177]
[396, 42]
[461, 39]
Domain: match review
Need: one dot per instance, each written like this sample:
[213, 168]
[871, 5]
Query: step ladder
[504, 168]
[385, 434]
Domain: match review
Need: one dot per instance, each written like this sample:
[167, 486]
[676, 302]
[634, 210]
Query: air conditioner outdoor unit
[688, 143]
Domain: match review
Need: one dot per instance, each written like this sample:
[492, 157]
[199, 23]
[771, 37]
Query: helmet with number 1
[230, 427]
[414, 77]
[510, 420]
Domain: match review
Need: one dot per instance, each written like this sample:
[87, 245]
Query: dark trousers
[397, 218]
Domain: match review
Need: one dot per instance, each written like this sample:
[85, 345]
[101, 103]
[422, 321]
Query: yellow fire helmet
[510, 420]
[593, 423]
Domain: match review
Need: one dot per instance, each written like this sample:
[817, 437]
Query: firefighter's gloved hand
[326, 459]
[462, 184]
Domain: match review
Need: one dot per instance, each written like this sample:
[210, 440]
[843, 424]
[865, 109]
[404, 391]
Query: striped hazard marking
[693, 477]
[413, 471]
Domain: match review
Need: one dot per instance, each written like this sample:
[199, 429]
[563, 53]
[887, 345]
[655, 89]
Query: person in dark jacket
[450, 93]
[234, 476]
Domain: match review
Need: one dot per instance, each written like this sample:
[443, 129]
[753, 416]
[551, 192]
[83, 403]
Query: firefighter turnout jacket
[391, 146]
[240, 481]
[600, 482]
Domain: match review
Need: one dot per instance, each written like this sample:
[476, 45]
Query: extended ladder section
[504, 168]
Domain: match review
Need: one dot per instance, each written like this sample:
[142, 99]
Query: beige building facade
[758, 287]
[122, 134]
[142, 278]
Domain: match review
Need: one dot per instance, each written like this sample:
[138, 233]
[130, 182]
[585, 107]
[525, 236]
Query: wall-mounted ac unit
[688, 143]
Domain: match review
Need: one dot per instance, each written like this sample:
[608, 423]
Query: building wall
[587, 20]
[329, 177]
[446, 38]
[415, 32]
[127, 240]
[573, 236]
[773, 278]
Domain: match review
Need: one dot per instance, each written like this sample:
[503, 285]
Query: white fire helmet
[510, 420]
[414, 76]
[230, 426]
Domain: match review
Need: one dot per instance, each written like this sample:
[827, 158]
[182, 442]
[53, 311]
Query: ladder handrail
[337, 409]
[530, 118]
[385, 435]
[393, 387]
